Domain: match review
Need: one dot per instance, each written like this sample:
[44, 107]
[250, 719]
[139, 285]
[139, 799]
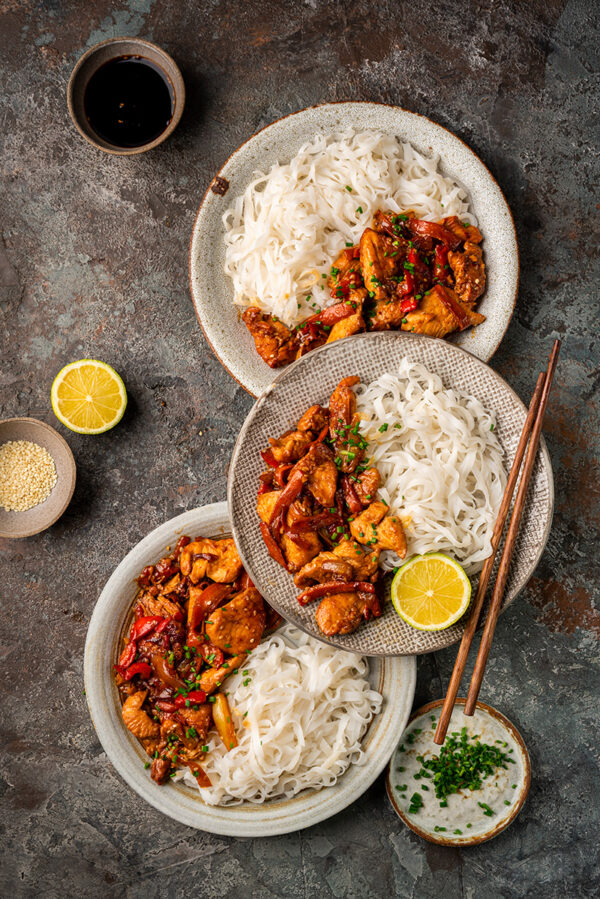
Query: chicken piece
[390, 535]
[364, 562]
[314, 419]
[344, 265]
[327, 566]
[275, 343]
[300, 550]
[349, 446]
[136, 720]
[440, 313]
[265, 504]
[160, 770]
[227, 567]
[214, 677]
[353, 324]
[364, 527]
[290, 447]
[200, 719]
[469, 273]
[321, 473]
[191, 561]
[158, 605]
[222, 563]
[239, 624]
[462, 229]
[341, 613]
[387, 315]
[380, 261]
[367, 485]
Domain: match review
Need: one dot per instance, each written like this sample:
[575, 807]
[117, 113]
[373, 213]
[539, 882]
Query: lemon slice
[88, 396]
[431, 592]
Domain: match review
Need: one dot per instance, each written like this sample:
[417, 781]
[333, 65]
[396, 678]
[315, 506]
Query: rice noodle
[286, 229]
[440, 461]
[300, 710]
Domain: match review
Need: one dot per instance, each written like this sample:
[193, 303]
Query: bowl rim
[289, 115]
[178, 96]
[121, 751]
[72, 470]
[505, 822]
[543, 452]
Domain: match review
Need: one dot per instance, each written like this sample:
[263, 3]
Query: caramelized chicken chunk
[352, 324]
[364, 562]
[469, 273]
[390, 535]
[200, 719]
[319, 467]
[440, 313]
[266, 503]
[364, 527]
[344, 420]
[214, 677]
[314, 419]
[274, 342]
[160, 769]
[379, 262]
[239, 624]
[327, 566]
[341, 613]
[222, 562]
[463, 230]
[301, 549]
[367, 485]
[135, 718]
[290, 447]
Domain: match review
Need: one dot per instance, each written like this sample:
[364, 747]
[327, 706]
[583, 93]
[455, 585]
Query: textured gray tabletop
[93, 262]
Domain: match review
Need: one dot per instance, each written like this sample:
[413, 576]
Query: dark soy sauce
[129, 101]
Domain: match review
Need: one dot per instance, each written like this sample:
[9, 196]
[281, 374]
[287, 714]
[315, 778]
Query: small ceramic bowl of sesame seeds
[37, 476]
[466, 791]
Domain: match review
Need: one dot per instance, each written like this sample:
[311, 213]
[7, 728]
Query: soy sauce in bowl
[129, 101]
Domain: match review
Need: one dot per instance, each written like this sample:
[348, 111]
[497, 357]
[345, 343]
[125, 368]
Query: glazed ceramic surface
[40, 517]
[483, 827]
[311, 380]
[212, 290]
[394, 678]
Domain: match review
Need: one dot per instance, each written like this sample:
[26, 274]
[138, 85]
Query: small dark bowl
[91, 61]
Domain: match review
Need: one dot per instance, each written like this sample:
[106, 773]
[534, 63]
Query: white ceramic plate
[312, 379]
[394, 678]
[212, 290]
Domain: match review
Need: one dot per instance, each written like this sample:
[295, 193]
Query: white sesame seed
[27, 475]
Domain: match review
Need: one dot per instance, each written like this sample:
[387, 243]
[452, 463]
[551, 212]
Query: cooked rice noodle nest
[300, 710]
[440, 461]
[287, 228]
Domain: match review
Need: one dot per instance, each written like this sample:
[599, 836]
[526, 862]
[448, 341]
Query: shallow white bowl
[394, 678]
[212, 290]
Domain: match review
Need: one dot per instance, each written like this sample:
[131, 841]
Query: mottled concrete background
[94, 263]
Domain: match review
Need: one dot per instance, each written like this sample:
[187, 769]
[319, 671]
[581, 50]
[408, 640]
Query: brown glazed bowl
[91, 61]
[32, 521]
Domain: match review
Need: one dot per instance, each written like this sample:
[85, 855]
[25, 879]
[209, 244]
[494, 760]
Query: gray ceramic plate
[394, 678]
[212, 291]
[311, 380]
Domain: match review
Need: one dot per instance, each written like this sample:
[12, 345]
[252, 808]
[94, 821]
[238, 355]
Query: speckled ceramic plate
[311, 380]
[212, 290]
[400, 786]
[394, 678]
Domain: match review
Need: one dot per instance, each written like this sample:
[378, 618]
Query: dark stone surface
[94, 263]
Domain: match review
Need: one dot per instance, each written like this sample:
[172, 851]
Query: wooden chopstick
[511, 537]
[469, 633]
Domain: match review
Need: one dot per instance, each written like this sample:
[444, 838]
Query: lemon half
[88, 396]
[431, 592]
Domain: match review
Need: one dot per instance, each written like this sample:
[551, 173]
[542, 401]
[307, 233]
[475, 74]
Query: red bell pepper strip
[193, 697]
[209, 600]
[438, 232]
[351, 496]
[144, 626]
[127, 656]
[160, 627]
[287, 496]
[272, 546]
[334, 587]
[408, 305]
[440, 261]
[281, 471]
[200, 775]
[329, 316]
[245, 581]
[141, 668]
[183, 541]
[269, 458]
[445, 297]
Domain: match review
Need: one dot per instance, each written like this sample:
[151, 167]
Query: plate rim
[125, 755]
[390, 335]
[349, 103]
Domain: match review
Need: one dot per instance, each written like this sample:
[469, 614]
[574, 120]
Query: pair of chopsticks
[531, 433]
